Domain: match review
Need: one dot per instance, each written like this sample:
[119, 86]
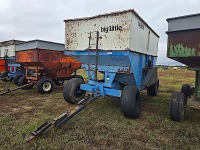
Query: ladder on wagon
[93, 45]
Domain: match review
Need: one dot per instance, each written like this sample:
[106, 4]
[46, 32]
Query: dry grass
[101, 125]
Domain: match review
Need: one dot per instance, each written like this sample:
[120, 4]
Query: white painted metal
[9, 46]
[124, 30]
[11, 50]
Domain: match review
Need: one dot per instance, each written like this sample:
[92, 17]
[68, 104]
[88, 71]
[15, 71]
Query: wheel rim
[46, 86]
[78, 92]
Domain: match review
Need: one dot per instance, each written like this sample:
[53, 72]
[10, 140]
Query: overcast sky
[43, 19]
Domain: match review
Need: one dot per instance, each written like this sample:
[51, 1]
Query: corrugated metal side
[143, 39]
[38, 44]
[184, 23]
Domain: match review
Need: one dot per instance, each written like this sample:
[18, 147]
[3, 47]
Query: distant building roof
[10, 42]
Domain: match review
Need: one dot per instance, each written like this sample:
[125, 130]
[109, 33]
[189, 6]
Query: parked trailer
[183, 46]
[45, 64]
[123, 48]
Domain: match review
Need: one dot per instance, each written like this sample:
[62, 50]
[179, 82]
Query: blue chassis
[120, 68]
[13, 72]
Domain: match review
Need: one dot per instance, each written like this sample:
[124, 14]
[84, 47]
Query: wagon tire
[186, 89]
[131, 102]
[152, 90]
[177, 109]
[22, 81]
[45, 85]
[16, 78]
[72, 92]
[3, 75]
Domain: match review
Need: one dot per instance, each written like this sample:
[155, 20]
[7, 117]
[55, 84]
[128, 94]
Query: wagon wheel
[187, 90]
[130, 101]
[177, 109]
[72, 92]
[5, 76]
[152, 90]
[16, 78]
[45, 85]
[22, 81]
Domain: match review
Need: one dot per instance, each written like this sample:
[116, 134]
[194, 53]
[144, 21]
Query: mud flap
[150, 78]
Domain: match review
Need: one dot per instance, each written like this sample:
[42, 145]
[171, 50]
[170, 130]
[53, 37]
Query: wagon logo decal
[111, 20]
[111, 25]
[111, 28]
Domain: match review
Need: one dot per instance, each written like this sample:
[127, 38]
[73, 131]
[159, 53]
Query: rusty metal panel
[184, 39]
[26, 56]
[184, 46]
[115, 30]
[53, 63]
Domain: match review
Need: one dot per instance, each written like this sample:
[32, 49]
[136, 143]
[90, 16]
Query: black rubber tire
[152, 90]
[3, 75]
[186, 89]
[58, 82]
[16, 78]
[177, 109]
[131, 102]
[23, 81]
[70, 91]
[43, 83]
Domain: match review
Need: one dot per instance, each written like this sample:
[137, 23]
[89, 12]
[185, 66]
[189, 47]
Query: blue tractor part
[15, 69]
[12, 69]
[14, 72]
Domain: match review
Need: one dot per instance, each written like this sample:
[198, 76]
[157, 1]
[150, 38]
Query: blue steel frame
[119, 68]
[13, 70]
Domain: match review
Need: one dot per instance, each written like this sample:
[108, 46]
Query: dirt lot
[101, 125]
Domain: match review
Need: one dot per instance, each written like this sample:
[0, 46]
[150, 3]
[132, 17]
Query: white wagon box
[122, 30]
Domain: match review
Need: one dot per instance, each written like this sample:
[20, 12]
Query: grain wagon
[184, 46]
[123, 48]
[45, 65]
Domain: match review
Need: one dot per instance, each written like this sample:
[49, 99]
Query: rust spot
[127, 71]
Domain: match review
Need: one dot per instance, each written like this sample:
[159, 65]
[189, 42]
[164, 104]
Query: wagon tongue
[57, 122]
[9, 90]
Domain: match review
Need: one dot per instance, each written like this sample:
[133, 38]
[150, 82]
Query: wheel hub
[46, 86]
